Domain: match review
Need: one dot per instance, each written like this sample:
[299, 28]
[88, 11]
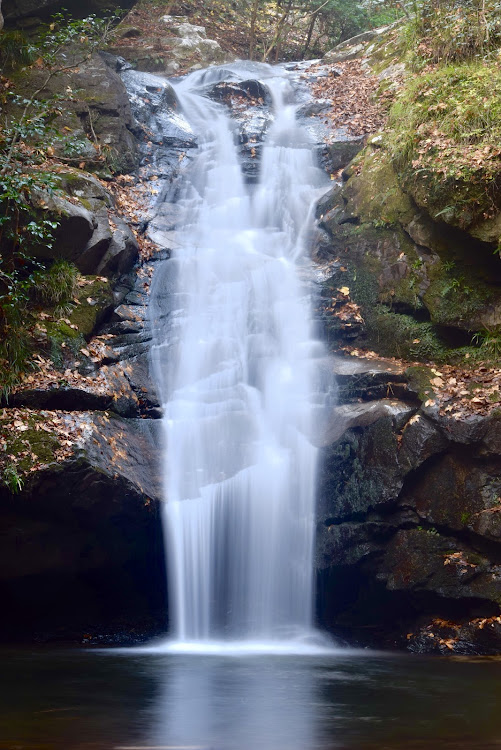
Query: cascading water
[236, 367]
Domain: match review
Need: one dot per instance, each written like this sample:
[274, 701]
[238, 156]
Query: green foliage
[66, 33]
[455, 30]
[489, 341]
[57, 286]
[62, 46]
[11, 479]
[15, 49]
[444, 136]
[22, 230]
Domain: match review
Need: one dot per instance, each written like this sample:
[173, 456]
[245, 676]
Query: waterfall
[236, 366]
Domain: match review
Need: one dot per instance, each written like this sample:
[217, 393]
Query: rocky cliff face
[408, 536]
[408, 528]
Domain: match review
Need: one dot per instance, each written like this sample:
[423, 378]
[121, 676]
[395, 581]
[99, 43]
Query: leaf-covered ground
[351, 90]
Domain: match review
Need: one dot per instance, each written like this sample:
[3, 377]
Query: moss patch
[26, 443]
[375, 195]
[95, 299]
[454, 300]
[444, 135]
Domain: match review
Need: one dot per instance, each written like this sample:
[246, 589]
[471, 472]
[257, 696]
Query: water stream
[236, 364]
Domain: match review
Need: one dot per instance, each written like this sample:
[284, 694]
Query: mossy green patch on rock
[25, 443]
[444, 133]
[95, 301]
[419, 378]
[466, 302]
[374, 194]
[399, 335]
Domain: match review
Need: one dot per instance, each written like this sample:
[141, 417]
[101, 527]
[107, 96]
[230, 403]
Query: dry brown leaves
[70, 429]
[447, 634]
[132, 196]
[352, 97]
[459, 392]
[101, 383]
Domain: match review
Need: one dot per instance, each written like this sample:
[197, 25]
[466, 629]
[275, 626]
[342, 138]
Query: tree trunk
[278, 34]
[252, 34]
[309, 35]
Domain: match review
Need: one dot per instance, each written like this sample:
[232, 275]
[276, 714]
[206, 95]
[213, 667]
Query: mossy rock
[443, 136]
[32, 446]
[373, 193]
[461, 301]
[96, 300]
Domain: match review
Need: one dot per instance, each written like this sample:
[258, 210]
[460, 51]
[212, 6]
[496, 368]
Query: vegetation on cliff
[433, 180]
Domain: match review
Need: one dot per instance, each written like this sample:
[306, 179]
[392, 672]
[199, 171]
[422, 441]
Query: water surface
[82, 700]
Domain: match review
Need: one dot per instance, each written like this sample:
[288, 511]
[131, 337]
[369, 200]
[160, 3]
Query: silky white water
[236, 366]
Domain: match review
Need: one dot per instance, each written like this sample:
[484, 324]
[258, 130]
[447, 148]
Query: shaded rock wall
[408, 533]
[82, 549]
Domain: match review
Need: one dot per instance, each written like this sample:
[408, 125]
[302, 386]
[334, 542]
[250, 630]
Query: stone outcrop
[357, 46]
[408, 536]
[81, 545]
[408, 529]
[419, 285]
[85, 236]
[82, 550]
[169, 45]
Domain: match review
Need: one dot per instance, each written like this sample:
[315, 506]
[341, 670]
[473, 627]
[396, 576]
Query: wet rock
[421, 439]
[155, 104]
[121, 253]
[252, 91]
[82, 543]
[475, 490]
[348, 416]
[481, 635]
[337, 155]
[328, 201]
[421, 559]
[349, 543]
[369, 380]
[360, 468]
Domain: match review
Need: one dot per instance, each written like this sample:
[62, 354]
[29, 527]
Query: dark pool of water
[55, 700]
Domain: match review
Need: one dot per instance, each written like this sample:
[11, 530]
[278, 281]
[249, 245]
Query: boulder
[360, 468]
[164, 44]
[121, 253]
[424, 560]
[357, 45]
[339, 154]
[81, 545]
[155, 105]
[84, 235]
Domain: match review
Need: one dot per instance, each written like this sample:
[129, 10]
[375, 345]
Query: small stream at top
[237, 367]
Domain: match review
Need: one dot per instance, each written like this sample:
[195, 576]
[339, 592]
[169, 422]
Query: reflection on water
[359, 701]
